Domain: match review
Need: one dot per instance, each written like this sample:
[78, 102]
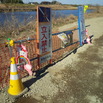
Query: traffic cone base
[16, 87]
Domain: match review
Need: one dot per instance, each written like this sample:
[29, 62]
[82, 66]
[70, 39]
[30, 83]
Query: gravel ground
[76, 79]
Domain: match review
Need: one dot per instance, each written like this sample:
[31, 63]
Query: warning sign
[44, 35]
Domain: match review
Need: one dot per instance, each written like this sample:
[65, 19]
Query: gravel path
[76, 79]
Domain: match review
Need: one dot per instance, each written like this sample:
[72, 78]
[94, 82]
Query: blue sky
[94, 2]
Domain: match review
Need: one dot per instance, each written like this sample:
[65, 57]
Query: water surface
[25, 17]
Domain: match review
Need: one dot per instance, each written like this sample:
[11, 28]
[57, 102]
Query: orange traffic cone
[16, 86]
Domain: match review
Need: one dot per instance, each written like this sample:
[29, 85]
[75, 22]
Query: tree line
[11, 1]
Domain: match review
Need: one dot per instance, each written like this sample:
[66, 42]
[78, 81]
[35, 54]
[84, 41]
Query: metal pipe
[20, 41]
[69, 31]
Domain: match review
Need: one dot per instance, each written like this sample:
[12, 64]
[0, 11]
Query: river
[25, 17]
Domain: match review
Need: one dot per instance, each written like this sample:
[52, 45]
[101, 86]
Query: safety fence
[57, 50]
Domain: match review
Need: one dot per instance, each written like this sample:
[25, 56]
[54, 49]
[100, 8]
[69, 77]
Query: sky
[93, 2]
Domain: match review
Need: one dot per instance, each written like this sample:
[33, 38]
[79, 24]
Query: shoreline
[25, 10]
[28, 7]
